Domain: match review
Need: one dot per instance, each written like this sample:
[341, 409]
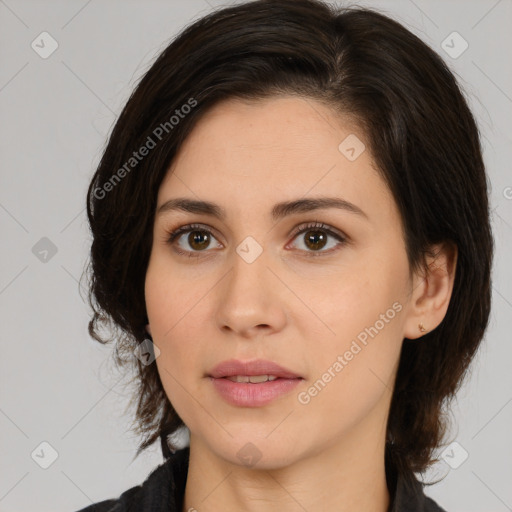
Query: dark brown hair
[421, 134]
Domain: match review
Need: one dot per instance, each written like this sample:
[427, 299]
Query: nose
[251, 299]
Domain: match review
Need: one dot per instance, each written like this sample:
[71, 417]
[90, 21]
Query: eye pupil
[199, 237]
[313, 240]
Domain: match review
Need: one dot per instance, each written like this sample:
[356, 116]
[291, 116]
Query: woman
[291, 231]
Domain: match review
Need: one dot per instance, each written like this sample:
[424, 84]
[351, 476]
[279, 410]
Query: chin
[260, 454]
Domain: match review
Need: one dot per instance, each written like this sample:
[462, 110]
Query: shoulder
[131, 496]
[432, 506]
[410, 497]
[102, 506]
[157, 492]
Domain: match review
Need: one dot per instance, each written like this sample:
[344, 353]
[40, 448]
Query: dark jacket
[164, 489]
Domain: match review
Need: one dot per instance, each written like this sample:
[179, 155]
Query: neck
[342, 476]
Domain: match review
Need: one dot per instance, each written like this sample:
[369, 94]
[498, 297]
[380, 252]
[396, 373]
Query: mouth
[253, 383]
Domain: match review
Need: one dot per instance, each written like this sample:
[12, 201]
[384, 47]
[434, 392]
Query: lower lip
[253, 395]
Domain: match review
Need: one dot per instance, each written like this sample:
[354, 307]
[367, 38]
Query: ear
[431, 291]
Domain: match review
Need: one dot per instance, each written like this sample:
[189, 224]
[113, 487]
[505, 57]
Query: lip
[256, 367]
[247, 394]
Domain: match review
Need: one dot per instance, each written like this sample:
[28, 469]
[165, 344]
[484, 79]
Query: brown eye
[315, 239]
[199, 240]
[316, 236]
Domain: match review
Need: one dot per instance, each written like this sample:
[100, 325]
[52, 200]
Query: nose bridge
[248, 296]
[249, 268]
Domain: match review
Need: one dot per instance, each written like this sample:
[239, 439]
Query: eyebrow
[279, 210]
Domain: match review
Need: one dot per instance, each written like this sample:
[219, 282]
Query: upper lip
[257, 367]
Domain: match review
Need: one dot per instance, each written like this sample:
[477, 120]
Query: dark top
[164, 490]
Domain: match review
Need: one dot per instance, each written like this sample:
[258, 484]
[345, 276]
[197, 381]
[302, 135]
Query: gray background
[61, 387]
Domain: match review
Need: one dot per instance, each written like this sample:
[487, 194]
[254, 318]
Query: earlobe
[432, 291]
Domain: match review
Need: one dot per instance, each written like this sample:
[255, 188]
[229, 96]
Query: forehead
[279, 148]
[295, 127]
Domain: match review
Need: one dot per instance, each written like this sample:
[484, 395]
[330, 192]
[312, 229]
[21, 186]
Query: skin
[301, 312]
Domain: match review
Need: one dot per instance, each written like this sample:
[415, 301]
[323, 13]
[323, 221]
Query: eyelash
[173, 235]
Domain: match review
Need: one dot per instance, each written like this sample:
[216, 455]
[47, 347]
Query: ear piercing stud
[421, 327]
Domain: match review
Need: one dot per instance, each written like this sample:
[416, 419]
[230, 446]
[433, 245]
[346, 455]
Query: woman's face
[327, 302]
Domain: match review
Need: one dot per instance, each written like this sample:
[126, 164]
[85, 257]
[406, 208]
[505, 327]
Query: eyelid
[174, 233]
[318, 225]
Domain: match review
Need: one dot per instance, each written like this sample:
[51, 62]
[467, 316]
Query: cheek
[181, 343]
[353, 370]
[173, 302]
[170, 296]
[348, 299]
[169, 312]
[358, 317]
